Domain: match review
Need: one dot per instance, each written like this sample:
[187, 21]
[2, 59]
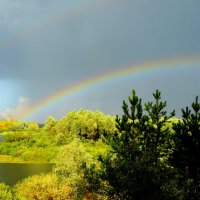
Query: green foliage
[43, 187]
[96, 149]
[135, 168]
[85, 124]
[50, 126]
[69, 164]
[187, 146]
[94, 186]
[156, 133]
[70, 158]
[98, 156]
[23, 126]
[28, 142]
[142, 134]
[5, 192]
[29, 146]
[35, 155]
[18, 136]
[5, 125]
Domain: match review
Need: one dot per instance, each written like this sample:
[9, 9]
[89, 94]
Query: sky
[47, 46]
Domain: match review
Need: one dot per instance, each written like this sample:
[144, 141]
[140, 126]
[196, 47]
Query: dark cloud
[52, 44]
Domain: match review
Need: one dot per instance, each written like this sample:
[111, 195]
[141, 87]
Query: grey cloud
[49, 45]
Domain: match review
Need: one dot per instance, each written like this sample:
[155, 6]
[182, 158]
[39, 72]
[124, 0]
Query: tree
[157, 134]
[69, 163]
[85, 124]
[50, 124]
[135, 168]
[187, 145]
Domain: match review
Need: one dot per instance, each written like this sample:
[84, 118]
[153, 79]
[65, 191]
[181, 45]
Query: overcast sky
[48, 45]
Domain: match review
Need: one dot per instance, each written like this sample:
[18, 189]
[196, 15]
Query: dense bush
[43, 187]
[5, 192]
[86, 124]
[69, 164]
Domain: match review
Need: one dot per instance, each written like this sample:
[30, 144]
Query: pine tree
[135, 169]
[186, 155]
[157, 135]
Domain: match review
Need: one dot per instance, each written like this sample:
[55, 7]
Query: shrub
[43, 187]
[5, 192]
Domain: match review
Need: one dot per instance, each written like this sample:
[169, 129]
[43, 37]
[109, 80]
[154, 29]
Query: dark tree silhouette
[135, 169]
[186, 155]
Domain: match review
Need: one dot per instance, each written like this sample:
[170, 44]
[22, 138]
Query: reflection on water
[11, 173]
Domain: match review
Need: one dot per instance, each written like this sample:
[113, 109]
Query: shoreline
[10, 159]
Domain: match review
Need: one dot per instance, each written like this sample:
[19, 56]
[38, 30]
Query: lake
[11, 173]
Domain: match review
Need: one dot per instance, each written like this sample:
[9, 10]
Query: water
[1, 138]
[11, 173]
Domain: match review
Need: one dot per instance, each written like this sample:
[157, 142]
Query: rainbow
[114, 74]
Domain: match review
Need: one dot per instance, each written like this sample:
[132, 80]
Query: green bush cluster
[5, 192]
